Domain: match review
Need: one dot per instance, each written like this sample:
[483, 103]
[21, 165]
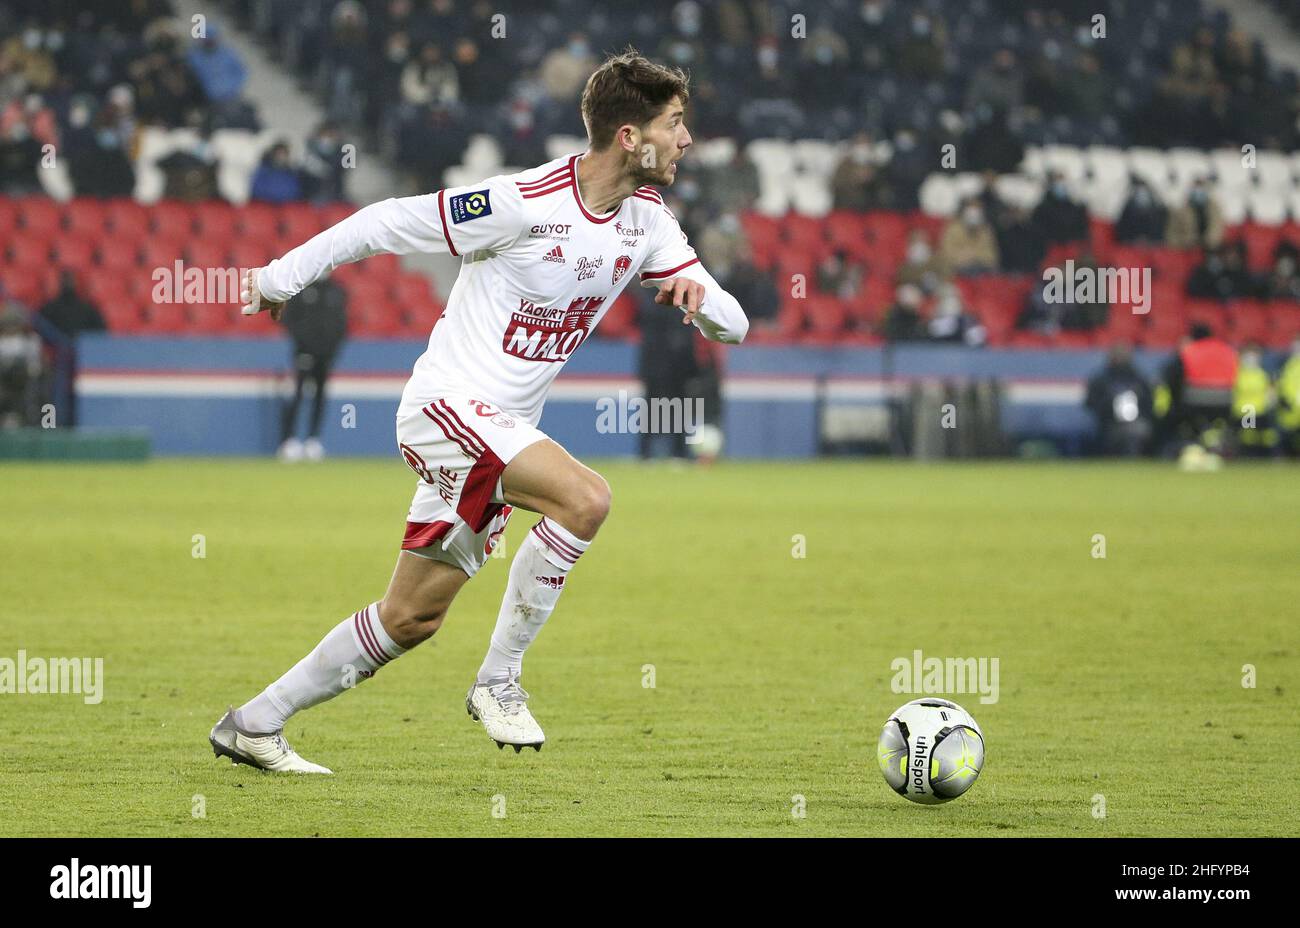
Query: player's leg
[573, 501]
[418, 596]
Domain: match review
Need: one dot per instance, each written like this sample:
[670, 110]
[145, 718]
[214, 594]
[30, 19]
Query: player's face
[664, 141]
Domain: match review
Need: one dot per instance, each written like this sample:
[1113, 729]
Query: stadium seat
[126, 218]
[27, 252]
[172, 219]
[215, 220]
[118, 254]
[75, 252]
[299, 222]
[40, 217]
[86, 216]
[258, 221]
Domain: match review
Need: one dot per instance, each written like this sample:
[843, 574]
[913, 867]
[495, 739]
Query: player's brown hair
[628, 88]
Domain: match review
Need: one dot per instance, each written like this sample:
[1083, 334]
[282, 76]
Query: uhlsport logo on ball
[931, 751]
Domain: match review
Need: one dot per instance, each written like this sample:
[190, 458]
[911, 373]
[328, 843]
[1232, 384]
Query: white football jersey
[538, 272]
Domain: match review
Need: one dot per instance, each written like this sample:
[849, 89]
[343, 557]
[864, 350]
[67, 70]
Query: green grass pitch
[1119, 677]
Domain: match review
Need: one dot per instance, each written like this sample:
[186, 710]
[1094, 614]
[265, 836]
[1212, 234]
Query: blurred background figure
[1199, 222]
[317, 322]
[668, 364]
[1288, 402]
[1144, 219]
[1254, 406]
[969, 245]
[277, 180]
[20, 368]
[1120, 399]
[1200, 379]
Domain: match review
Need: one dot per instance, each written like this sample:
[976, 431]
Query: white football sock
[353, 651]
[537, 577]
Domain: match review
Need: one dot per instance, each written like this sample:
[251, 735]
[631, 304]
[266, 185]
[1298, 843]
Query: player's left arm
[683, 282]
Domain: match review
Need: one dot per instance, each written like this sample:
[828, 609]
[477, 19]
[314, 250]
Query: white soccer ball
[931, 751]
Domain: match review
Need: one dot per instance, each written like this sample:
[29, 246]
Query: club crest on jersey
[467, 206]
[549, 333]
[621, 267]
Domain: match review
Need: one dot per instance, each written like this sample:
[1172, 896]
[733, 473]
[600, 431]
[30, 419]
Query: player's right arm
[456, 221]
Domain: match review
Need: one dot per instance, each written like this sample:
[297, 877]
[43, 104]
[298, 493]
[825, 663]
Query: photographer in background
[1120, 398]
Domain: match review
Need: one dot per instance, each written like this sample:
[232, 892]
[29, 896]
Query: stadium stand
[829, 163]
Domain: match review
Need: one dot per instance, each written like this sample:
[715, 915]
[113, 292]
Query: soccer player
[544, 253]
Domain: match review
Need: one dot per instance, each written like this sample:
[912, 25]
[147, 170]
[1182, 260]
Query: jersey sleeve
[720, 317]
[455, 220]
[669, 251]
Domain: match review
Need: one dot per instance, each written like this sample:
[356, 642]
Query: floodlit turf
[1119, 678]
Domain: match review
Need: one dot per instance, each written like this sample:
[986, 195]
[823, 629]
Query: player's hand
[682, 292]
[253, 300]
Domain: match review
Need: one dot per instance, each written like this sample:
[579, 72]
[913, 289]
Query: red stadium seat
[1260, 242]
[8, 217]
[126, 218]
[213, 318]
[75, 252]
[172, 219]
[248, 253]
[159, 252]
[298, 222]
[40, 216]
[334, 213]
[410, 289]
[203, 253]
[215, 220]
[620, 320]
[258, 221]
[118, 254]
[122, 318]
[1248, 321]
[86, 216]
[166, 318]
[1284, 323]
[29, 252]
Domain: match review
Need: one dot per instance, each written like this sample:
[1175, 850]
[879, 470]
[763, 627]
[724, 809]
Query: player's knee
[408, 624]
[590, 507]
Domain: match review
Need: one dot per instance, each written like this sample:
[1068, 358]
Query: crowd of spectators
[991, 75]
[79, 81]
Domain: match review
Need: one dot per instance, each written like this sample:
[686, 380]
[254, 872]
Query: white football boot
[502, 707]
[266, 752]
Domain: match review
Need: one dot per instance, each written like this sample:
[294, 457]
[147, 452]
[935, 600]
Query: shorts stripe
[456, 422]
[424, 534]
[473, 436]
[440, 418]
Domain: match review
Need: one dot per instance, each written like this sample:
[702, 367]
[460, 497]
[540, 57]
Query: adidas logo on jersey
[554, 255]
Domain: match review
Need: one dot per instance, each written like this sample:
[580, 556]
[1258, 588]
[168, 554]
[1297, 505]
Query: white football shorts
[459, 447]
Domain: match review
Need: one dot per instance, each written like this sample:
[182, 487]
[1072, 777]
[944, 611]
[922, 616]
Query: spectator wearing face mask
[1144, 218]
[857, 183]
[1282, 282]
[1223, 275]
[1058, 218]
[968, 245]
[218, 68]
[950, 321]
[276, 180]
[902, 321]
[1198, 223]
[1020, 250]
[565, 70]
[920, 267]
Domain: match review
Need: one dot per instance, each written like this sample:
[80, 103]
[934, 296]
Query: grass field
[1119, 676]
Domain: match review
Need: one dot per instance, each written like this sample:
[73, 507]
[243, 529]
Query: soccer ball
[930, 751]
